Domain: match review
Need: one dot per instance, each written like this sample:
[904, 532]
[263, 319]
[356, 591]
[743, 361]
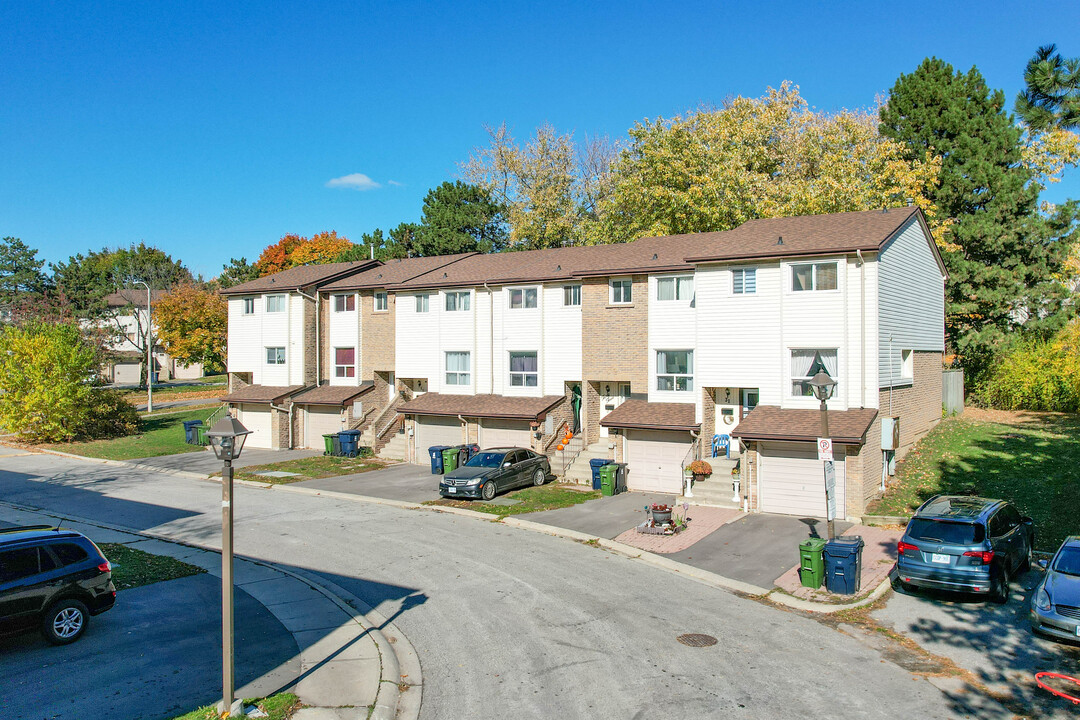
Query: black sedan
[492, 471]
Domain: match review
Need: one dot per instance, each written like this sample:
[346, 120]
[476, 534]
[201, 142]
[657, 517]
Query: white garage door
[793, 480]
[127, 373]
[505, 433]
[320, 420]
[654, 460]
[256, 418]
[435, 430]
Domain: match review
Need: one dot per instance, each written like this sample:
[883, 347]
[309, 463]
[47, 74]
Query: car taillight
[985, 555]
[104, 567]
[906, 547]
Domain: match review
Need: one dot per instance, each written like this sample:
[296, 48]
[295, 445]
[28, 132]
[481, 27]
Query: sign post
[825, 454]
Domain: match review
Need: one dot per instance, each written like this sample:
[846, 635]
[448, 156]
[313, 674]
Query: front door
[749, 401]
[613, 394]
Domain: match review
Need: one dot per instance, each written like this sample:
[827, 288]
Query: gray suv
[964, 544]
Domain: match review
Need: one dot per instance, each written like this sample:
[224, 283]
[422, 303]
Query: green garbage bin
[608, 476]
[811, 562]
[201, 438]
[328, 443]
[450, 459]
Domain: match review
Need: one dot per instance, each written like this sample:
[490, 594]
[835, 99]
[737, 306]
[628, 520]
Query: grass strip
[159, 434]
[310, 468]
[532, 499]
[134, 568]
[277, 707]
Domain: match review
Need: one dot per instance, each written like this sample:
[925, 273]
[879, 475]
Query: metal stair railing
[216, 415]
[571, 451]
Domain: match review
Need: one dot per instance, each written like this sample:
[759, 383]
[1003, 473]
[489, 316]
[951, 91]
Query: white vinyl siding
[343, 330]
[560, 333]
[672, 328]
[792, 479]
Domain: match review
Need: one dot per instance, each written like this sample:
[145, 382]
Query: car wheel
[1025, 562]
[488, 491]
[539, 477]
[1000, 592]
[65, 621]
[899, 585]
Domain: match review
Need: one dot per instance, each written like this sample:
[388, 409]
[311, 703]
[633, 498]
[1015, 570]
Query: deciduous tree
[192, 324]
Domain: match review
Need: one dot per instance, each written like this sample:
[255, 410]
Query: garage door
[793, 480]
[654, 460]
[320, 420]
[435, 430]
[256, 418]
[127, 373]
[505, 433]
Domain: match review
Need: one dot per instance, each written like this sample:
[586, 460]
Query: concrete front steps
[715, 490]
[580, 472]
[396, 448]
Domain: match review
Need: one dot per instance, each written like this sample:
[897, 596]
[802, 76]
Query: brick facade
[326, 362]
[376, 335]
[239, 380]
[310, 341]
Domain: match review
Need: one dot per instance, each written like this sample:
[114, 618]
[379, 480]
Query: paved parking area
[605, 517]
[405, 482]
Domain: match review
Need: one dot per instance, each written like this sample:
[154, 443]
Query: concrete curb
[390, 676]
[120, 463]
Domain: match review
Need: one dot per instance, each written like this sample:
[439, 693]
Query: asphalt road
[510, 623]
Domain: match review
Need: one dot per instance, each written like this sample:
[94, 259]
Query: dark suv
[53, 579]
[965, 544]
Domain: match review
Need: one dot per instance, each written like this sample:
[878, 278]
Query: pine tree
[1051, 96]
[20, 271]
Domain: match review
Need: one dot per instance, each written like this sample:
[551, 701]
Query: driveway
[156, 654]
[605, 517]
[405, 482]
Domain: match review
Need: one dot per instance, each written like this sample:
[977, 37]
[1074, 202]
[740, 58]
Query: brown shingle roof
[132, 296]
[300, 277]
[332, 394]
[392, 272]
[768, 422]
[635, 413]
[490, 406]
[261, 393]
[803, 235]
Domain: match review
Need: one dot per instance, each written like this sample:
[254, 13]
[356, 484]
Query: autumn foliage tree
[294, 250]
[193, 323]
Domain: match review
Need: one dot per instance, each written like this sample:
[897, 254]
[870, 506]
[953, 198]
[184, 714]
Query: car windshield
[486, 460]
[946, 533]
[1068, 561]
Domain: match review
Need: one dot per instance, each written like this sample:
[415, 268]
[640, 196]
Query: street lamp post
[823, 387]
[149, 351]
[227, 438]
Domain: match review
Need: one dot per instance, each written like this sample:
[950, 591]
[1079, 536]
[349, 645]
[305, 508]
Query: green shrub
[1037, 375]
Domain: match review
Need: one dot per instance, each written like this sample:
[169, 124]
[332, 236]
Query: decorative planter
[700, 477]
[661, 517]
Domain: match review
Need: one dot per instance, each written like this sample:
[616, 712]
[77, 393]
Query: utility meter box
[890, 433]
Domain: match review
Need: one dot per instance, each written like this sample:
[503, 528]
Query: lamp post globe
[822, 385]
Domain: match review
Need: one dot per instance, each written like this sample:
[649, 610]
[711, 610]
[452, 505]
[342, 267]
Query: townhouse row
[652, 353]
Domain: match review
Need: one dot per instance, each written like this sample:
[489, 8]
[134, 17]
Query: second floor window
[522, 298]
[275, 303]
[344, 303]
[345, 362]
[675, 370]
[813, 276]
[275, 356]
[744, 281]
[622, 292]
[571, 295]
[421, 303]
[458, 368]
[675, 288]
[249, 306]
[523, 369]
[805, 364]
[457, 301]
[382, 302]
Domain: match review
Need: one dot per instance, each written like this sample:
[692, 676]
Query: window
[249, 306]
[345, 362]
[18, 564]
[523, 369]
[522, 298]
[382, 302]
[275, 356]
[69, 553]
[457, 301]
[805, 364]
[275, 303]
[750, 399]
[675, 288]
[813, 276]
[457, 368]
[571, 295]
[621, 292]
[421, 303]
[744, 281]
[675, 370]
[344, 303]
[907, 366]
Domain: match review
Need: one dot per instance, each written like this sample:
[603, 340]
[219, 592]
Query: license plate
[451, 490]
[939, 558]
[1078, 631]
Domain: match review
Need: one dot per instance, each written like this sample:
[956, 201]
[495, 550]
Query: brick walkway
[703, 520]
[879, 554]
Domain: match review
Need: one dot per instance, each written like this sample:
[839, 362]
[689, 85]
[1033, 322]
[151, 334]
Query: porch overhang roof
[768, 422]
[267, 394]
[336, 395]
[644, 415]
[481, 406]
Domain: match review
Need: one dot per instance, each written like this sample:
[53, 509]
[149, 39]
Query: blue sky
[212, 129]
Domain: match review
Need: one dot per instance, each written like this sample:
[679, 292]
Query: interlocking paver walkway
[703, 520]
[879, 554]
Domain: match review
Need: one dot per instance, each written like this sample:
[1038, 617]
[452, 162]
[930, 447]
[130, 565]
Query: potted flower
[700, 469]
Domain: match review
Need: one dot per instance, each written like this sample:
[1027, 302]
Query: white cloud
[395, 183]
[354, 181]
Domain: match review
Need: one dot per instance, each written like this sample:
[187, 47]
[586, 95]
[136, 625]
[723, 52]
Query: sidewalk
[347, 666]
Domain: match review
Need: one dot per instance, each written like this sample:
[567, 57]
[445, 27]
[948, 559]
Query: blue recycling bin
[843, 564]
[435, 453]
[596, 464]
[190, 436]
[350, 441]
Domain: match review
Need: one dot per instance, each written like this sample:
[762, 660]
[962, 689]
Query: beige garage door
[793, 480]
[654, 460]
[320, 420]
[435, 430]
[505, 433]
[256, 418]
[127, 373]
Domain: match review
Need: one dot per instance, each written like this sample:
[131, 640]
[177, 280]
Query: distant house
[125, 325]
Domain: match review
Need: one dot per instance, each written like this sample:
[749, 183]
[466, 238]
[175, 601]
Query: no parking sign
[824, 449]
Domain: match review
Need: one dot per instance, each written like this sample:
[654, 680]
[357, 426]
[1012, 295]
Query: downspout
[462, 421]
[287, 410]
[318, 338]
[862, 324]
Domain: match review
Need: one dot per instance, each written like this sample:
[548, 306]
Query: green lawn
[533, 499]
[277, 707]
[310, 468]
[133, 568]
[158, 435]
[1033, 460]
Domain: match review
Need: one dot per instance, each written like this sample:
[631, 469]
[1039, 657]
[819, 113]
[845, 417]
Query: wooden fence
[952, 391]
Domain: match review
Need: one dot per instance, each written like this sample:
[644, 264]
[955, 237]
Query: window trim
[688, 375]
[345, 298]
[675, 279]
[423, 302]
[574, 291]
[524, 374]
[268, 348]
[524, 290]
[339, 367]
[283, 297]
[803, 379]
[814, 276]
[458, 296]
[245, 304]
[611, 290]
[465, 375]
[744, 271]
[385, 296]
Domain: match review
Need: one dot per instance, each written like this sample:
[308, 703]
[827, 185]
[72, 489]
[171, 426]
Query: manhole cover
[696, 640]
